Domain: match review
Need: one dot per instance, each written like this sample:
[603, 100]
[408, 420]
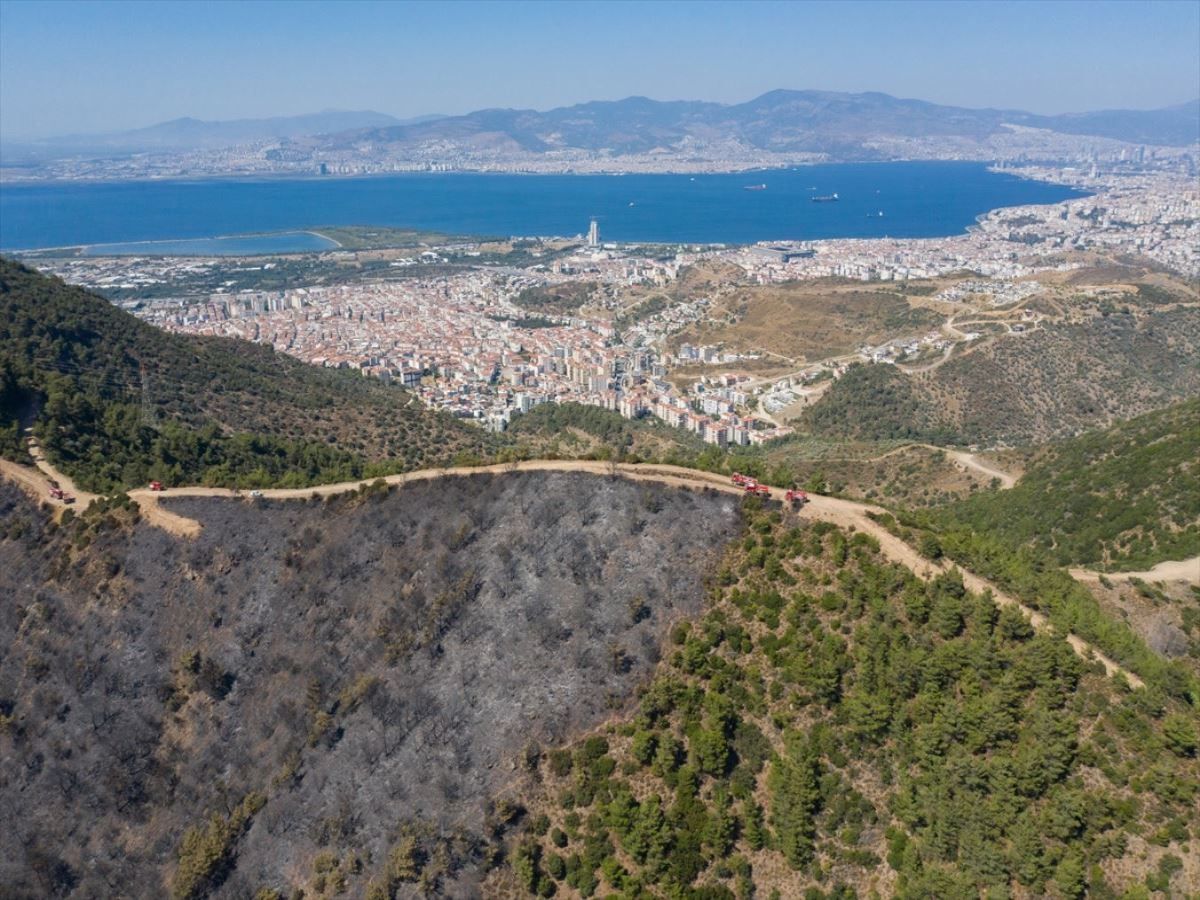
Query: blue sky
[95, 66]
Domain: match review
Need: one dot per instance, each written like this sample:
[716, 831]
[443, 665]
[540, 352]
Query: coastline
[276, 177]
[337, 245]
[783, 219]
[80, 249]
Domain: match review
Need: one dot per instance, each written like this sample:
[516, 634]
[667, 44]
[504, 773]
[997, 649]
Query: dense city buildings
[356, 154]
[460, 339]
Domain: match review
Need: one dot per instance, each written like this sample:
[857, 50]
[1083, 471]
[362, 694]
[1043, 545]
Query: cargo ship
[831, 198]
[755, 187]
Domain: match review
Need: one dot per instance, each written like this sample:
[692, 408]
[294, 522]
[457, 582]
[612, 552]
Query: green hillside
[1058, 382]
[1051, 384]
[115, 401]
[574, 429]
[835, 727]
[875, 403]
[1125, 498]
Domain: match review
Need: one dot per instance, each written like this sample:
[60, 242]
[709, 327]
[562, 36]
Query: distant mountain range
[834, 125]
[778, 121]
[195, 134]
[1171, 126]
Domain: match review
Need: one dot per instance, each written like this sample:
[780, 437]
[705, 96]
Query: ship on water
[829, 198]
[755, 187]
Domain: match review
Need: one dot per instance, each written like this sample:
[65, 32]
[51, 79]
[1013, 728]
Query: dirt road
[82, 498]
[1169, 570]
[971, 461]
[844, 513]
[963, 458]
[38, 482]
[929, 366]
[849, 514]
[31, 481]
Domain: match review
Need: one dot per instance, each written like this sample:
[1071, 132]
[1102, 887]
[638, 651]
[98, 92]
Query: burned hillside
[319, 690]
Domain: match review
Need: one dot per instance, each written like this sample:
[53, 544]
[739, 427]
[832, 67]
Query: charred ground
[307, 686]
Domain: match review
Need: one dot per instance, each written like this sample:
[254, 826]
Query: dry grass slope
[806, 321]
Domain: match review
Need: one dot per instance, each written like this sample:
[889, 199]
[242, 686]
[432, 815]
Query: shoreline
[98, 249]
[218, 237]
[270, 177]
[337, 245]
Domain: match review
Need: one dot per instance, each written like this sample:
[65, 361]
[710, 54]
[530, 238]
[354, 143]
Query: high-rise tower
[594, 233]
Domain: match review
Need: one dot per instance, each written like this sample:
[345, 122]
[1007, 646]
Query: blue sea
[916, 199]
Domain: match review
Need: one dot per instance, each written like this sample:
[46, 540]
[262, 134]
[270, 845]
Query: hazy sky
[96, 66]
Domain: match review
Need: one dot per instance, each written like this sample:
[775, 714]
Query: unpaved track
[83, 498]
[965, 459]
[971, 461]
[962, 457]
[844, 513]
[38, 482]
[1169, 570]
[850, 514]
[930, 366]
[31, 481]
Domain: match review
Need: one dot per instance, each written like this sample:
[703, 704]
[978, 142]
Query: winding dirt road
[38, 482]
[962, 457]
[83, 498]
[844, 513]
[31, 481]
[971, 461]
[929, 366]
[1168, 570]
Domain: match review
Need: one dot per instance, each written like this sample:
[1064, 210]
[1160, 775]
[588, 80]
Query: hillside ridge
[844, 513]
[116, 402]
[780, 120]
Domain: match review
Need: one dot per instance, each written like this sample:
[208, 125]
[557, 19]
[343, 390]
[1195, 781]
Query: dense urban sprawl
[461, 342]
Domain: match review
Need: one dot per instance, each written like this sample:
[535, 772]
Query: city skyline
[100, 67]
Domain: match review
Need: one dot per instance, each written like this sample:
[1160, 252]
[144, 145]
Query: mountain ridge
[781, 120]
[842, 124]
[189, 132]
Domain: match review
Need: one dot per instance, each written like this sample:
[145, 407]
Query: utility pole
[149, 415]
